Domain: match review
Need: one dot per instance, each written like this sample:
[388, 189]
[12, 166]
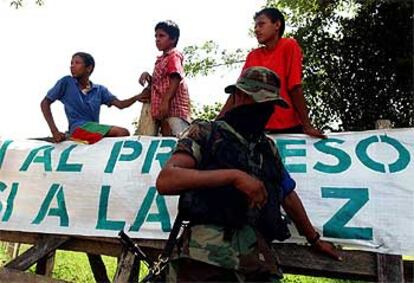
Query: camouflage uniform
[246, 252]
[207, 253]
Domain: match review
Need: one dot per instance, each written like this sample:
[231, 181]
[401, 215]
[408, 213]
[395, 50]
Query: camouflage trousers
[207, 254]
[189, 270]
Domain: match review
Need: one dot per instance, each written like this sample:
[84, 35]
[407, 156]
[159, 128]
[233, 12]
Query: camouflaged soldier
[231, 172]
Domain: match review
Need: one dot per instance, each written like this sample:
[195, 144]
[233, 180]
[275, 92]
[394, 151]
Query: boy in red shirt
[284, 57]
[170, 102]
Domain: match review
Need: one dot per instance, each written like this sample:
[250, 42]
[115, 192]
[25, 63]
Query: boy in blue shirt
[82, 101]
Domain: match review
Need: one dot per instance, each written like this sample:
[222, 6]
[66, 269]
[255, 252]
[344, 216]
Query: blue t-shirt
[80, 108]
[287, 184]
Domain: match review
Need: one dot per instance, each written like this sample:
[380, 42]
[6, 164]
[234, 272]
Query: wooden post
[125, 266]
[136, 267]
[45, 265]
[390, 268]
[16, 249]
[98, 268]
[408, 266]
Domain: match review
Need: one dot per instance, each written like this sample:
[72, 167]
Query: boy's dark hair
[87, 59]
[274, 15]
[171, 28]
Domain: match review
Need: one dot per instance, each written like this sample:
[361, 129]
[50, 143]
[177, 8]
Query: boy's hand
[58, 136]
[143, 99]
[145, 95]
[313, 132]
[145, 78]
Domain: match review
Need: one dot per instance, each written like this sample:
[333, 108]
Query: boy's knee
[117, 132]
[123, 132]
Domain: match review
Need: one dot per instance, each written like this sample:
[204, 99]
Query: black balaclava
[250, 119]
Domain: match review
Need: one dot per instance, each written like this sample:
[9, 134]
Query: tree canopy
[358, 68]
[358, 60]
[203, 59]
[19, 3]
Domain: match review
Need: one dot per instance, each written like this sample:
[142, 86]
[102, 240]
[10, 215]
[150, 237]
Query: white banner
[357, 187]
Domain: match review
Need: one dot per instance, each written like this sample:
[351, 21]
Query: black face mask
[250, 120]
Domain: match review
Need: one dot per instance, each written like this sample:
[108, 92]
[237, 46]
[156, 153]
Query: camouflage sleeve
[194, 139]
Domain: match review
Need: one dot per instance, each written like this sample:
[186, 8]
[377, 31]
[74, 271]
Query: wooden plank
[98, 268]
[21, 237]
[12, 275]
[125, 266]
[39, 250]
[298, 259]
[45, 265]
[390, 268]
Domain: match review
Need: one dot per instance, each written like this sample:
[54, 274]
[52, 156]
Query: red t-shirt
[167, 64]
[286, 61]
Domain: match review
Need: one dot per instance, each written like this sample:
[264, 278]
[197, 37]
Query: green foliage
[19, 3]
[289, 278]
[202, 60]
[74, 267]
[298, 11]
[206, 112]
[4, 258]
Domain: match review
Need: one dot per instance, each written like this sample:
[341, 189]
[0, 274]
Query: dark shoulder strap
[208, 155]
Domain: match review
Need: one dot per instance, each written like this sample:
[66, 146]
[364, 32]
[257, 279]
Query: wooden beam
[125, 266]
[45, 265]
[98, 268]
[390, 268]
[39, 250]
[299, 259]
[12, 275]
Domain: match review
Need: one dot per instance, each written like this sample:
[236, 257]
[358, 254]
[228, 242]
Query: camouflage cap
[261, 84]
